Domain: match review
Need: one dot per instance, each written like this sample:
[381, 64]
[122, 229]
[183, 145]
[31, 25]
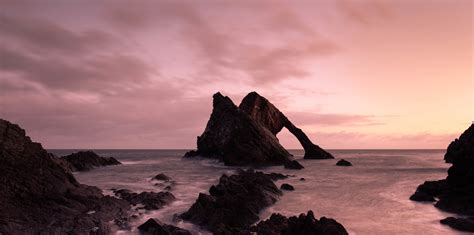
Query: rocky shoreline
[454, 194]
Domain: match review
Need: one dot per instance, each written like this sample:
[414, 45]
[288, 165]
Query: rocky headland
[455, 193]
[246, 135]
[41, 196]
[87, 160]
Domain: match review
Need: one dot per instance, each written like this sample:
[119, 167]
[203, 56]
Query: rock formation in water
[232, 136]
[156, 227]
[233, 204]
[39, 196]
[266, 114]
[87, 160]
[146, 200]
[343, 162]
[246, 135]
[303, 224]
[455, 193]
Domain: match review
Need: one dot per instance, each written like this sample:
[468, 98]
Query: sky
[391, 74]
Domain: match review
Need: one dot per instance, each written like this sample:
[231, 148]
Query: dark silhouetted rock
[302, 179]
[149, 200]
[462, 224]
[287, 187]
[156, 227]
[456, 193]
[303, 224]
[39, 196]
[162, 177]
[266, 114]
[246, 135]
[233, 204]
[293, 164]
[232, 136]
[87, 160]
[343, 162]
[421, 196]
[277, 176]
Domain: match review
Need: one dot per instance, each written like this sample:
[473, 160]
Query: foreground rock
[287, 187]
[156, 227]
[233, 204]
[246, 135]
[463, 224]
[343, 162]
[455, 193]
[87, 160]
[303, 224]
[149, 200]
[39, 195]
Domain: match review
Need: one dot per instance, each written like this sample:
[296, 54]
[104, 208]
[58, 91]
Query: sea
[371, 197]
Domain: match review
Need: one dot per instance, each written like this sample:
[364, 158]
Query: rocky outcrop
[266, 114]
[156, 227]
[287, 187]
[233, 204]
[246, 135]
[293, 164]
[343, 162]
[39, 196]
[87, 160]
[455, 193]
[232, 136]
[148, 200]
[303, 224]
[463, 224]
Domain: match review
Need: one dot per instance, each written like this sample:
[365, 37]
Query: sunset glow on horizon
[352, 74]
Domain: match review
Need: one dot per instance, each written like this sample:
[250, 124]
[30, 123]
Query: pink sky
[141, 74]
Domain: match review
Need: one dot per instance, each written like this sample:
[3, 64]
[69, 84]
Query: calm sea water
[369, 198]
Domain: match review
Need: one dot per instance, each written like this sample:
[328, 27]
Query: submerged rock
[455, 193]
[87, 160]
[421, 196]
[303, 224]
[162, 177]
[156, 227]
[287, 187]
[246, 135]
[233, 204]
[343, 162]
[38, 191]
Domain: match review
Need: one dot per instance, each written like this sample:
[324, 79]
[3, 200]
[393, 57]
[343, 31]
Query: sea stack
[40, 196]
[246, 135]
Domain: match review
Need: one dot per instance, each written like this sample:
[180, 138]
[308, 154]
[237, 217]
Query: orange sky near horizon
[352, 74]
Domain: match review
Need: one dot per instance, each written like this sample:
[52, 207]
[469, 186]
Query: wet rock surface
[147, 200]
[156, 227]
[455, 193]
[39, 195]
[234, 203]
[343, 162]
[302, 224]
[87, 160]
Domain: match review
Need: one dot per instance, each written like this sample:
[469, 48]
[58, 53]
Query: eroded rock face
[87, 160]
[232, 136]
[455, 193]
[233, 204]
[39, 195]
[266, 114]
[246, 135]
[303, 224]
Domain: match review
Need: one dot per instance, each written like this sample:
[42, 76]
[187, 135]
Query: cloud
[325, 119]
